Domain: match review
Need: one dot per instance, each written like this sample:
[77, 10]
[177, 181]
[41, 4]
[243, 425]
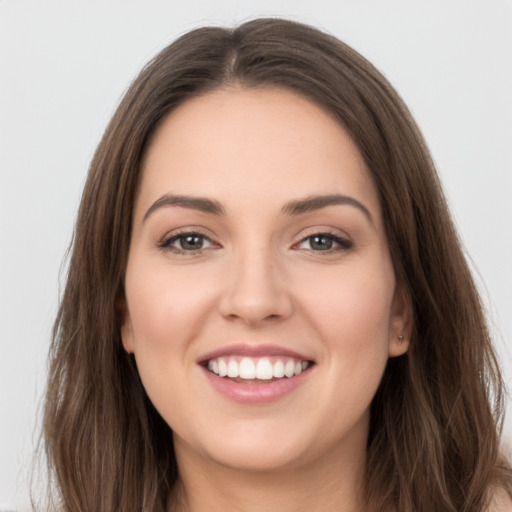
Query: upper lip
[252, 351]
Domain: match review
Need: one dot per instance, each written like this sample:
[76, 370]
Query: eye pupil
[321, 242]
[191, 242]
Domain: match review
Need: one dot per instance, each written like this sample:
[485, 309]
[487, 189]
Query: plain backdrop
[65, 64]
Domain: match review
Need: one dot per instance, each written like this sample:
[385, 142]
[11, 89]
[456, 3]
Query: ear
[400, 327]
[125, 326]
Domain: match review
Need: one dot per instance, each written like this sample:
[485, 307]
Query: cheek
[165, 314]
[351, 313]
[166, 308]
[351, 308]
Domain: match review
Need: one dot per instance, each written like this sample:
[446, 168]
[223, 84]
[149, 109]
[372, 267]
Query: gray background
[65, 64]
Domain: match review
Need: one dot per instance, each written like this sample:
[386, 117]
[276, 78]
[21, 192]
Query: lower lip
[255, 393]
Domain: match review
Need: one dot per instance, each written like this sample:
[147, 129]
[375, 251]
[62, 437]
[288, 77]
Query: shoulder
[501, 501]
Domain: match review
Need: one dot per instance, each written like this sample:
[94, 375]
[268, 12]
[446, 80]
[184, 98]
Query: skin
[260, 279]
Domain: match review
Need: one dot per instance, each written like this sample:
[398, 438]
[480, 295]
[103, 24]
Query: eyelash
[166, 244]
[343, 243]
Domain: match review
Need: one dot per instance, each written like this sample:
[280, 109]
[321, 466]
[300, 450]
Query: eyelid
[342, 240]
[165, 243]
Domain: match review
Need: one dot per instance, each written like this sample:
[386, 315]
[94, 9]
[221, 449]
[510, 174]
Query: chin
[252, 448]
[254, 459]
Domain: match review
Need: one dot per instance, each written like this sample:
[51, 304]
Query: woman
[267, 305]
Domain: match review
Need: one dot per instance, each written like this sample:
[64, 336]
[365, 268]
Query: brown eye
[187, 243]
[321, 242]
[190, 242]
[324, 242]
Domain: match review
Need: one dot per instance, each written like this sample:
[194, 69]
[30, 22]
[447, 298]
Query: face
[261, 301]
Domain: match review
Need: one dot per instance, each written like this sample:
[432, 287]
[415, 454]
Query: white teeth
[264, 369]
[247, 370]
[289, 368]
[213, 366]
[278, 369]
[223, 368]
[233, 369]
[252, 368]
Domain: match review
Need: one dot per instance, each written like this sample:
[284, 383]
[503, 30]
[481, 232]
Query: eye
[187, 243]
[324, 242]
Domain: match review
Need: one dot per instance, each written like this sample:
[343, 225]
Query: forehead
[243, 146]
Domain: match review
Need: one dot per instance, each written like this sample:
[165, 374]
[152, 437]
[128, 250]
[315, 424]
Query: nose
[256, 292]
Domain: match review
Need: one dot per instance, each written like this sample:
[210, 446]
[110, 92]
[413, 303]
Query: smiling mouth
[257, 369]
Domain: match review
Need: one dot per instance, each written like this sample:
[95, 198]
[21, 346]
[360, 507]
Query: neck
[324, 486]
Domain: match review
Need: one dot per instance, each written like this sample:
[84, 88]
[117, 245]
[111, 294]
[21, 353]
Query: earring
[400, 338]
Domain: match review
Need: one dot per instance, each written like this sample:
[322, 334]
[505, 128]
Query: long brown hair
[434, 434]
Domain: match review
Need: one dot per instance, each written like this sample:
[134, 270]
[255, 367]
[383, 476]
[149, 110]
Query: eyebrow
[195, 203]
[313, 203]
[295, 207]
